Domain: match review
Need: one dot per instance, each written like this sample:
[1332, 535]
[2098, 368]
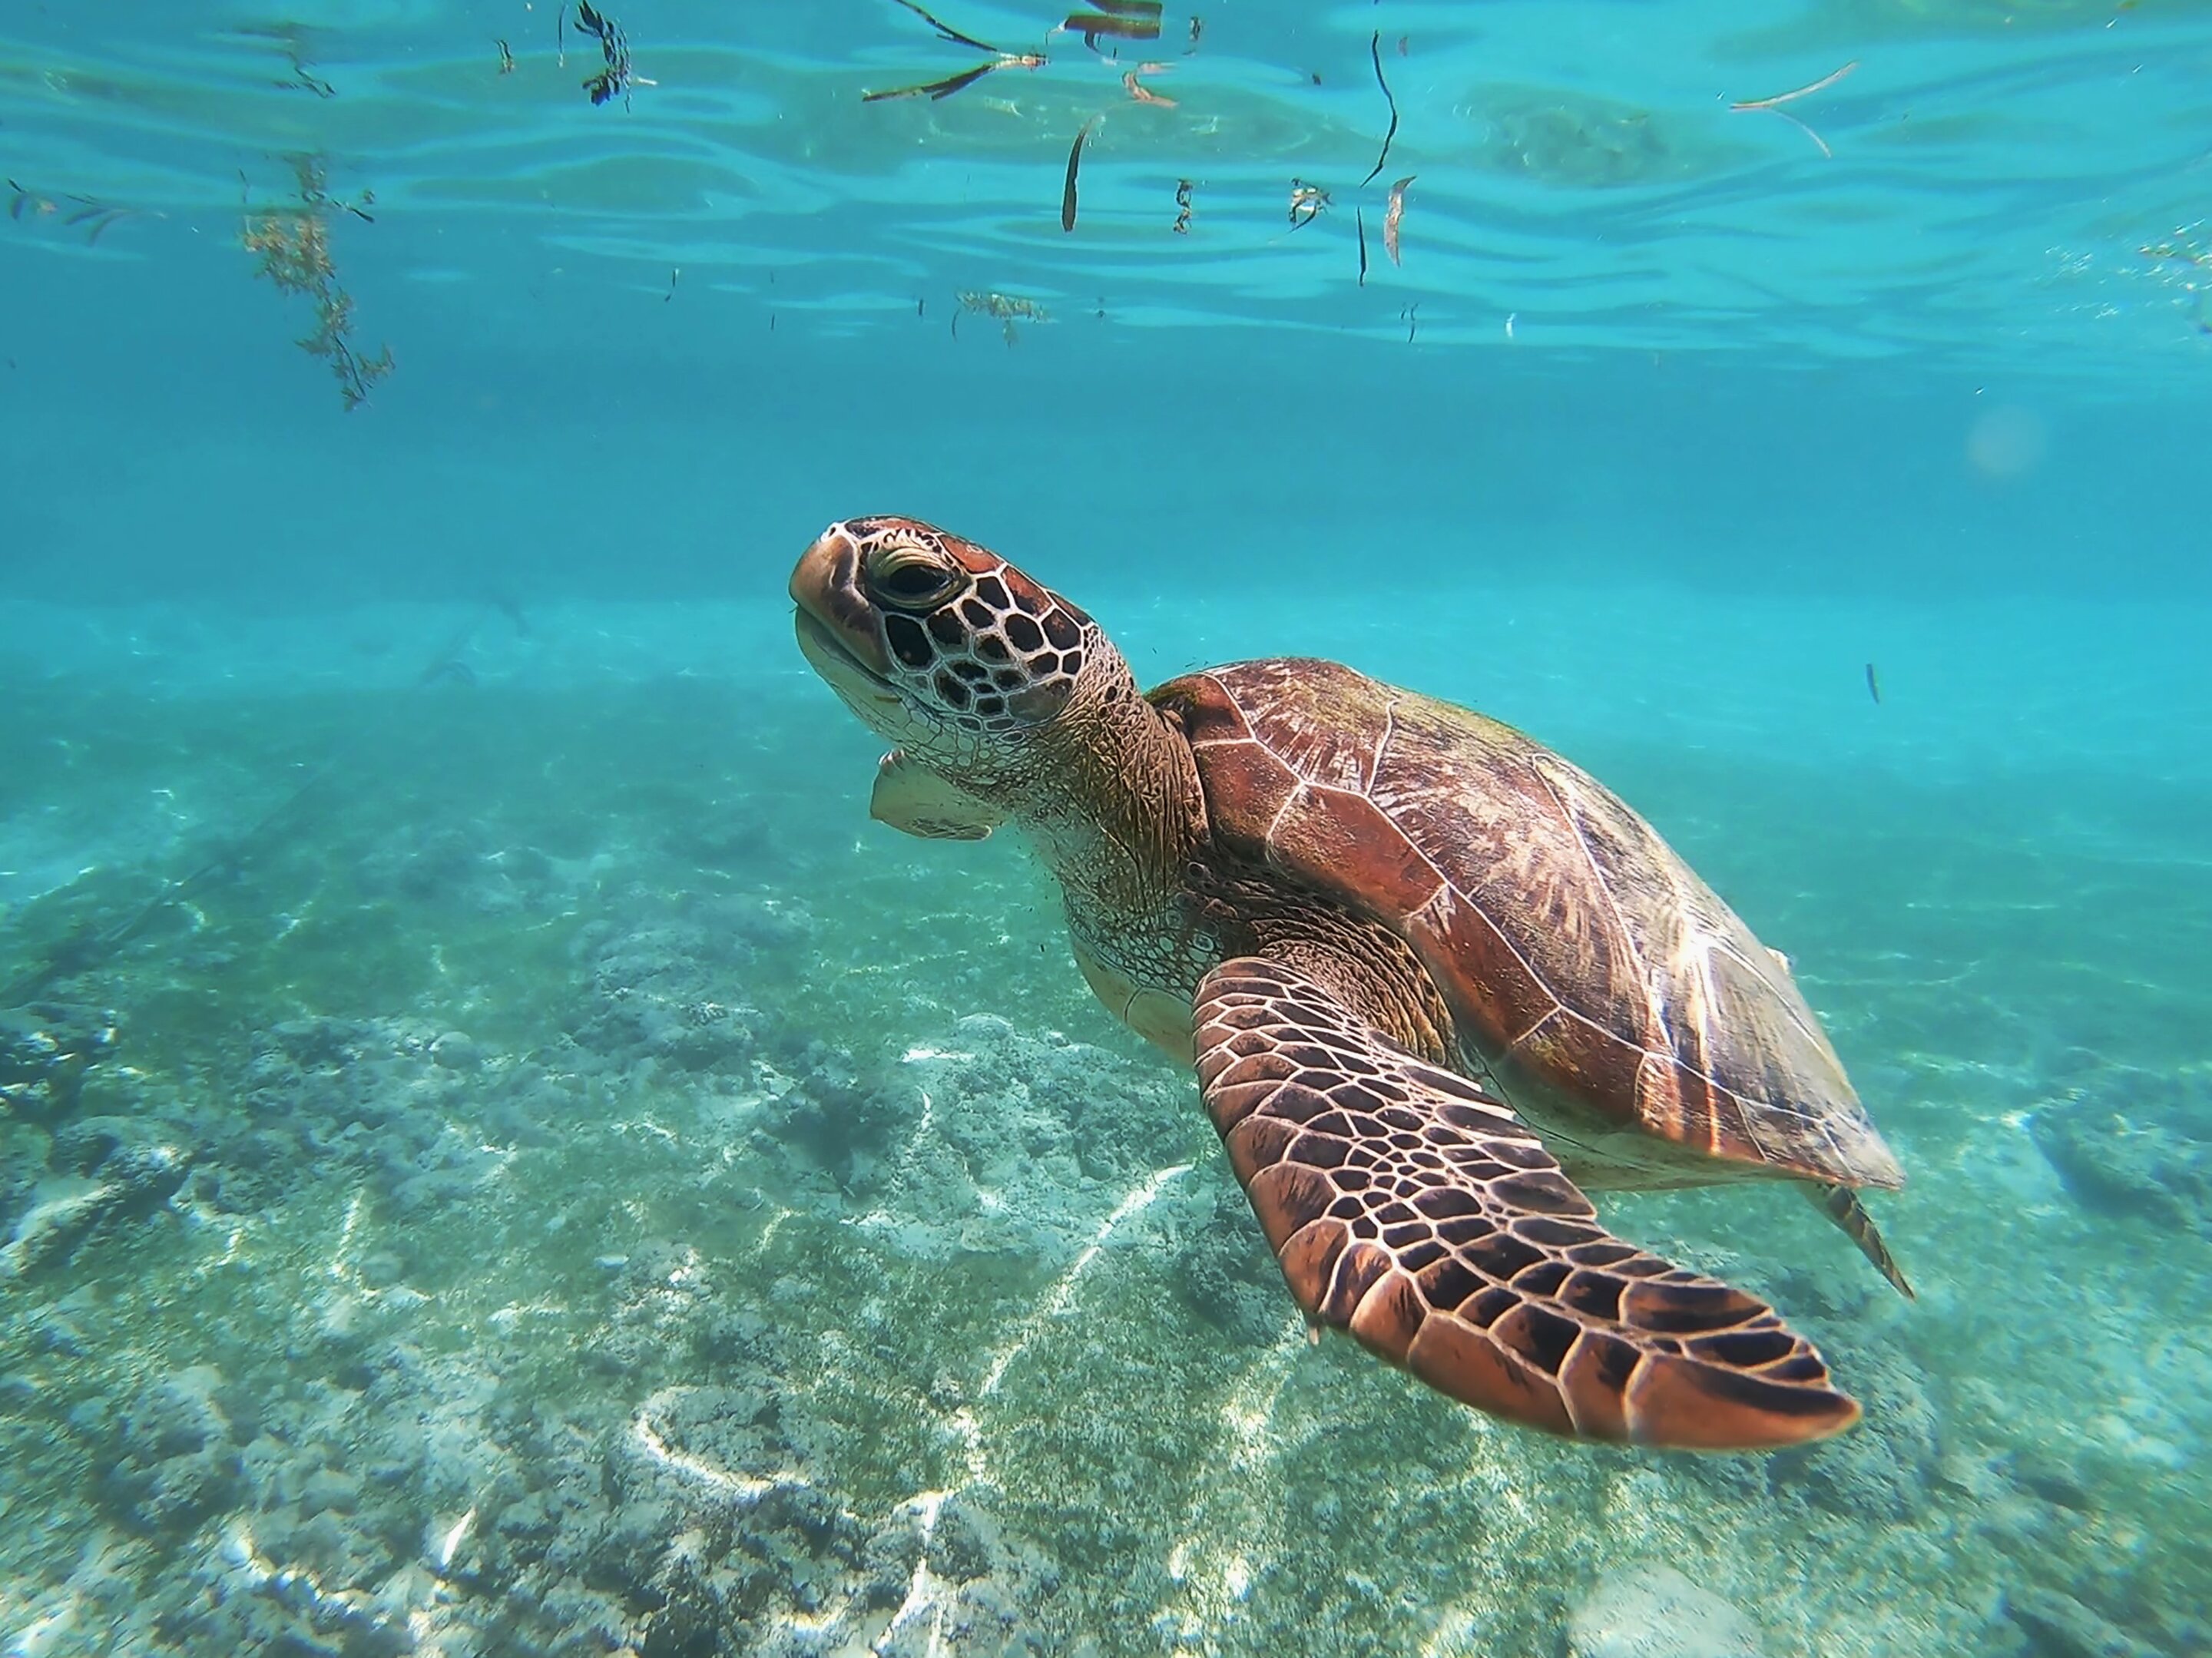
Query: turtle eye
[909, 578]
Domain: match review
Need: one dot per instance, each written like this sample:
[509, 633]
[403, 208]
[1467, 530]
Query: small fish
[1394, 215]
[1359, 220]
[674, 271]
[1874, 684]
[1197, 28]
[1411, 316]
[921, 311]
[505, 57]
[1068, 190]
[1182, 226]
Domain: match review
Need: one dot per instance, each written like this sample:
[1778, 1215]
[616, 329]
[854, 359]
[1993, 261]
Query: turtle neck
[1111, 802]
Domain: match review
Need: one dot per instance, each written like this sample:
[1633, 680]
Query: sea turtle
[1426, 970]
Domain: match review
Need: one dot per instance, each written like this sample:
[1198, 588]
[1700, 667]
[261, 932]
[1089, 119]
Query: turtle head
[944, 647]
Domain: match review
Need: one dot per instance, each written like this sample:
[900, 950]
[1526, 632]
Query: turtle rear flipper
[1409, 1207]
[1842, 1205]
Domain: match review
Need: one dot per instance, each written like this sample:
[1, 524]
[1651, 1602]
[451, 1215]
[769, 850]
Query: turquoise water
[498, 1152]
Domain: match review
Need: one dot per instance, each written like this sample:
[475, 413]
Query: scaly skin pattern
[1410, 1208]
[1054, 737]
[1237, 891]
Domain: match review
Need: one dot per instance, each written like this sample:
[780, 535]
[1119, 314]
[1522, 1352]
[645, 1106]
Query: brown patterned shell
[1606, 988]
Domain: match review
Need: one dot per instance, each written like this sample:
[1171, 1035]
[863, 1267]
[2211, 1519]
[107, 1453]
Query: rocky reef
[2134, 1143]
[508, 1225]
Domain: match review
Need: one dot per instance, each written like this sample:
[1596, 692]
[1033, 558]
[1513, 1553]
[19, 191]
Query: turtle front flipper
[912, 799]
[1409, 1207]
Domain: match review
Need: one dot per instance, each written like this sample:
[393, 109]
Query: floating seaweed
[306, 82]
[1068, 190]
[1119, 19]
[303, 79]
[1774, 105]
[2156, 250]
[1394, 215]
[1375, 51]
[293, 245]
[1182, 226]
[616, 76]
[310, 174]
[1308, 203]
[1143, 94]
[98, 218]
[290, 41]
[1007, 309]
[85, 213]
[937, 91]
[2184, 253]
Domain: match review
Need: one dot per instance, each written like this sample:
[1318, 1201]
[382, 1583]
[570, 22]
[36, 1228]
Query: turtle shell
[1602, 985]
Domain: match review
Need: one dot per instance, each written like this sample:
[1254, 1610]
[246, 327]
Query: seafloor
[563, 1182]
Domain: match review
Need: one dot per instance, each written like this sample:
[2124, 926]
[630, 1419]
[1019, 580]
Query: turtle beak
[836, 622]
